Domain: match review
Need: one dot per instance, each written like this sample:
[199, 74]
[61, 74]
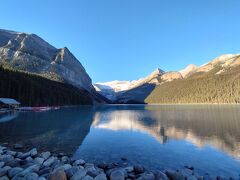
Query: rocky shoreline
[31, 165]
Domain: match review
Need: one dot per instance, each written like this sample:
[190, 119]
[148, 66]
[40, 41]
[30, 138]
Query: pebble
[4, 178]
[6, 158]
[39, 160]
[87, 177]
[58, 175]
[175, 175]
[45, 155]
[2, 164]
[138, 169]
[72, 171]
[160, 176]
[79, 174]
[31, 176]
[117, 175]
[79, 162]
[18, 146]
[33, 152]
[101, 176]
[14, 171]
[34, 166]
[49, 161]
[147, 176]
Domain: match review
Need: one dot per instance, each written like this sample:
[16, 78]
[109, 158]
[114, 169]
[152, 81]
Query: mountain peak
[158, 71]
[190, 68]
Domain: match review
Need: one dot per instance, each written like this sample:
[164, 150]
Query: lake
[156, 136]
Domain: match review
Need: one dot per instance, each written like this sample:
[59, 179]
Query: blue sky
[128, 39]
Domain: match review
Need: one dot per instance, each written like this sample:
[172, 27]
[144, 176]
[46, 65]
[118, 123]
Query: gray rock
[32, 168]
[138, 169]
[3, 171]
[61, 154]
[64, 167]
[89, 167]
[160, 176]
[147, 176]
[71, 172]
[13, 163]
[2, 164]
[29, 159]
[221, 178]
[18, 178]
[6, 158]
[33, 152]
[23, 155]
[14, 171]
[45, 155]
[56, 163]
[93, 173]
[38, 160]
[192, 177]
[65, 159]
[57, 175]
[189, 167]
[12, 153]
[186, 172]
[101, 176]
[42, 178]
[31, 176]
[129, 169]
[44, 170]
[18, 146]
[49, 161]
[79, 162]
[103, 165]
[87, 177]
[117, 175]
[79, 175]
[2, 148]
[4, 178]
[174, 175]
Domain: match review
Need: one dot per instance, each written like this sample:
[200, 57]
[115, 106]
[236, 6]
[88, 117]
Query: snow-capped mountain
[224, 62]
[188, 70]
[30, 53]
[113, 88]
[124, 89]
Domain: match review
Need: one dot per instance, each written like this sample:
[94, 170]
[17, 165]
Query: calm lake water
[156, 136]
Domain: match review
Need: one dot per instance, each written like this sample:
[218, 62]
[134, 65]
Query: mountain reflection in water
[157, 136]
[201, 125]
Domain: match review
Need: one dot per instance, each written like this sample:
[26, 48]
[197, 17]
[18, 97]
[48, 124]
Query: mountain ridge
[218, 65]
[30, 53]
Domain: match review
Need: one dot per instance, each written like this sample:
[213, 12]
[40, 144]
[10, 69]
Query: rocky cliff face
[30, 53]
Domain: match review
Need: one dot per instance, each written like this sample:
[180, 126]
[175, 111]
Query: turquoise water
[156, 136]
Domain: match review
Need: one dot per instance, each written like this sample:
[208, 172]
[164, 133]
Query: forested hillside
[200, 88]
[33, 90]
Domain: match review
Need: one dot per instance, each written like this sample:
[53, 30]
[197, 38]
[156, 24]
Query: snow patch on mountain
[189, 69]
[112, 88]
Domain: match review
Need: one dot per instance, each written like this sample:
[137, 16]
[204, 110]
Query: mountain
[137, 90]
[214, 82]
[188, 70]
[30, 53]
[113, 89]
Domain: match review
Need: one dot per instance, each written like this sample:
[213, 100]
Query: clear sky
[128, 39]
